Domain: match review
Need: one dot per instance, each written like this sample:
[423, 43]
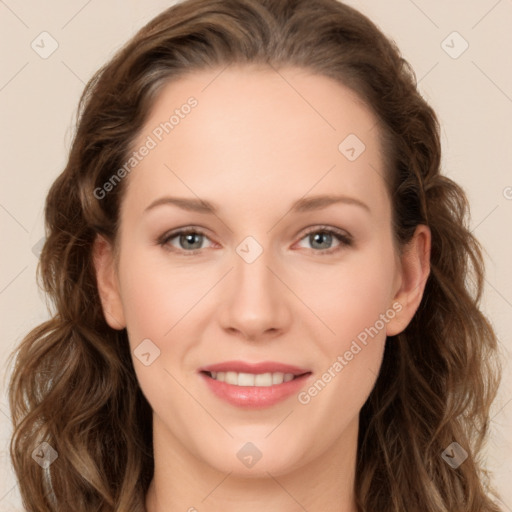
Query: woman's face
[272, 273]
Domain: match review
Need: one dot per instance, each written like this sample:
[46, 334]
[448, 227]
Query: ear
[108, 285]
[413, 274]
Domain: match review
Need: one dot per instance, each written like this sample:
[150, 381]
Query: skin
[254, 145]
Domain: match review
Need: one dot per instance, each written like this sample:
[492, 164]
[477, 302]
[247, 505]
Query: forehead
[246, 134]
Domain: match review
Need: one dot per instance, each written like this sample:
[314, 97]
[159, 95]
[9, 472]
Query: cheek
[146, 306]
[155, 303]
[350, 298]
[354, 302]
[155, 296]
[356, 311]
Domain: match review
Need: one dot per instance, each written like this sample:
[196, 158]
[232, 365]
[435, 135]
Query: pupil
[322, 234]
[189, 238]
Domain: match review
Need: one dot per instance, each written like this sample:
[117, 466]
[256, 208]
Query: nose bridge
[256, 300]
[251, 267]
[254, 281]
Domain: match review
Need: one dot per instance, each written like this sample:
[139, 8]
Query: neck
[182, 482]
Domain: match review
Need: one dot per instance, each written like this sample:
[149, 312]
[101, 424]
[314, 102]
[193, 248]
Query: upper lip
[262, 367]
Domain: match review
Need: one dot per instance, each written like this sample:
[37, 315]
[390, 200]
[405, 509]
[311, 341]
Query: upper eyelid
[321, 228]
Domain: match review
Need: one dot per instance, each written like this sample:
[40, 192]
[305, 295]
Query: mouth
[254, 385]
[253, 379]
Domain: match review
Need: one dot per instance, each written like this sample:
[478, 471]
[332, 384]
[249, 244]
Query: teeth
[231, 378]
[251, 379]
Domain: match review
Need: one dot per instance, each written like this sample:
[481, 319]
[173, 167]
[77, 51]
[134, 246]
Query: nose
[257, 303]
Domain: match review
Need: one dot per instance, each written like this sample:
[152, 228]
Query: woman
[254, 371]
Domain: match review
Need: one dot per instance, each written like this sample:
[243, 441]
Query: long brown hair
[73, 384]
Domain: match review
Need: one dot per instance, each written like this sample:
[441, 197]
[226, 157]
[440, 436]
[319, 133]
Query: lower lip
[255, 397]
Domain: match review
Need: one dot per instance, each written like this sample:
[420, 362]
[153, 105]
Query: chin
[256, 459]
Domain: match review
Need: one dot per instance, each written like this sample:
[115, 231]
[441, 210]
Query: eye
[188, 238]
[323, 236]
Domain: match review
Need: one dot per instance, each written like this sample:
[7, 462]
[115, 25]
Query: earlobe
[108, 286]
[415, 269]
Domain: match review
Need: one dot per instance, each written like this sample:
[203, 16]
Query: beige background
[471, 93]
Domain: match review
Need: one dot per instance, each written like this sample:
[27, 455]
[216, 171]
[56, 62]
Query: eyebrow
[304, 204]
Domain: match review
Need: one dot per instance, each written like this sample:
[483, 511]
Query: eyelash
[344, 239]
